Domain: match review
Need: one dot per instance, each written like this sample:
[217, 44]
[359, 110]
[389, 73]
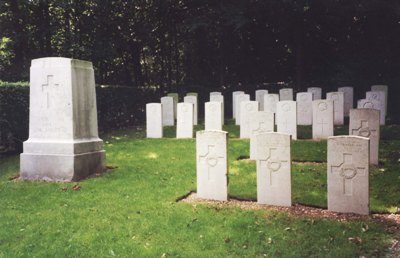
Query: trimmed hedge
[117, 107]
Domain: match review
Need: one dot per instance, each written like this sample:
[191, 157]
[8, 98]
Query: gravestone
[304, 108]
[234, 102]
[373, 104]
[168, 111]
[348, 102]
[193, 100]
[212, 167]
[63, 142]
[260, 98]
[246, 108]
[219, 98]
[270, 102]
[348, 172]
[213, 112]
[286, 94]
[193, 94]
[184, 123]
[213, 93]
[316, 91]
[365, 123]
[175, 96]
[338, 106]
[383, 88]
[380, 97]
[260, 122]
[154, 128]
[322, 126]
[273, 169]
[286, 118]
[239, 99]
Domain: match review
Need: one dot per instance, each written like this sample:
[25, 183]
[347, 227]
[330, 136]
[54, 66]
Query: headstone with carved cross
[304, 108]
[239, 99]
[373, 104]
[338, 106]
[219, 98]
[286, 94]
[348, 174]
[383, 88]
[63, 142]
[175, 96]
[184, 122]
[286, 116]
[270, 102]
[322, 126]
[378, 96]
[234, 94]
[212, 113]
[246, 108]
[273, 169]
[154, 128]
[192, 99]
[260, 98]
[365, 122]
[168, 111]
[348, 99]
[212, 168]
[260, 122]
[316, 92]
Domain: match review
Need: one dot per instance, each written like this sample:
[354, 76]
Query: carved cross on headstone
[348, 172]
[260, 129]
[322, 123]
[211, 159]
[48, 86]
[364, 130]
[272, 162]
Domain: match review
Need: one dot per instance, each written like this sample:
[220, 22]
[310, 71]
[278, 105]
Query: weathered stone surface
[239, 99]
[154, 128]
[168, 111]
[213, 112]
[270, 102]
[219, 98]
[184, 124]
[373, 104]
[338, 106]
[212, 168]
[348, 99]
[286, 118]
[260, 98]
[316, 91]
[234, 102]
[286, 94]
[246, 108]
[378, 96]
[304, 108]
[348, 174]
[322, 126]
[260, 122]
[273, 169]
[193, 100]
[365, 123]
[383, 88]
[63, 142]
[175, 96]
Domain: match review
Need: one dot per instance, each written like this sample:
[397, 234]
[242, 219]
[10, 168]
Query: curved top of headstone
[347, 136]
[211, 131]
[60, 61]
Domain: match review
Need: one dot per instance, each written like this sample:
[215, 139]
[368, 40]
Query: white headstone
[168, 111]
[213, 112]
[286, 118]
[338, 106]
[213, 93]
[246, 108]
[193, 94]
[365, 123]
[383, 88]
[270, 102]
[304, 108]
[380, 97]
[348, 172]
[348, 93]
[212, 167]
[373, 104]
[260, 98]
[175, 96]
[63, 142]
[239, 99]
[154, 128]
[322, 126]
[273, 169]
[234, 102]
[184, 123]
[219, 98]
[286, 94]
[193, 100]
[316, 91]
[260, 122]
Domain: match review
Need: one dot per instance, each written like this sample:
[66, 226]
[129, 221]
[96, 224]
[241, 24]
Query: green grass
[132, 210]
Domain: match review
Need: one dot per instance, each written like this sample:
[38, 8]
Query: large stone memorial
[383, 88]
[234, 94]
[213, 112]
[273, 161]
[239, 99]
[212, 167]
[286, 94]
[260, 122]
[316, 92]
[338, 106]
[260, 98]
[322, 126]
[193, 100]
[168, 111]
[184, 123]
[348, 174]
[246, 108]
[63, 142]
[365, 123]
[219, 98]
[304, 108]
[154, 128]
[348, 99]
[286, 118]
[380, 97]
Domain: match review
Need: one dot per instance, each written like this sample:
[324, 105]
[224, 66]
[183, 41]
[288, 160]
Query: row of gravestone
[347, 170]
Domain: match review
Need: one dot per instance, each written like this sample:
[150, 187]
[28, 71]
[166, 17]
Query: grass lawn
[132, 211]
